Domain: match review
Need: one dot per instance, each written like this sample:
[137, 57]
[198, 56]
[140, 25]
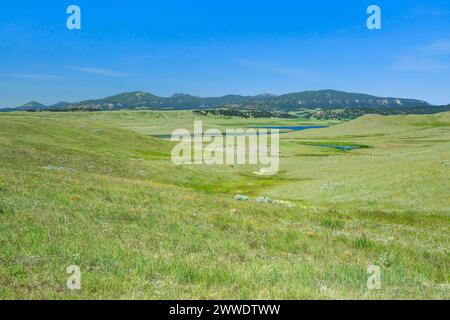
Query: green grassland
[99, 190]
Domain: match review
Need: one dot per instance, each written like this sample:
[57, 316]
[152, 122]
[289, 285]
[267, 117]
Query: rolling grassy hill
[327, 99]
[98, 190]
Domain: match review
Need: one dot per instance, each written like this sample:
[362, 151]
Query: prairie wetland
[99, 190]
[230, 158]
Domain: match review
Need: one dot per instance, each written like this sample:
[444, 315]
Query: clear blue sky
[218, 47]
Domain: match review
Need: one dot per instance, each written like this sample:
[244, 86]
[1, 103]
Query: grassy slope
[404, 170]
[140, 227]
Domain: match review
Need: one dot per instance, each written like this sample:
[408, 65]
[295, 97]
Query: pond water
[335, 145]
[282, 128]
[342, 148]
[291, 128]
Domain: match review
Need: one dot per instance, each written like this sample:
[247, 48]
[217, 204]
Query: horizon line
[217, 96]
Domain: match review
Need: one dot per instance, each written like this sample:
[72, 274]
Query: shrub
[2, 206]
[363, 242]
[333, 223]
[385, 260]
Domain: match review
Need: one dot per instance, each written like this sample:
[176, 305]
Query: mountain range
[325, 99]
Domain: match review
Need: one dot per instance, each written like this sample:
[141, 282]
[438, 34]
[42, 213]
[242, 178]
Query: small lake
[291, 128]
[282, 128]
[342, 148]
[335, 145]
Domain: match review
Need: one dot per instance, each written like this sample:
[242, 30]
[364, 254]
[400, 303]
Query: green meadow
[99, 190]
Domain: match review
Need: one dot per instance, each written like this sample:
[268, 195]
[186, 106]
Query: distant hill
[32, 105]
[336, 99]
[323, 99]
[143, 100]
[61, 104]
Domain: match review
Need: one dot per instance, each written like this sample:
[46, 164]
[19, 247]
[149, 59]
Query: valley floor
[99, 190]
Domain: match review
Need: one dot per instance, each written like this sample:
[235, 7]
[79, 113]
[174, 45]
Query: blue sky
[211, 48]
